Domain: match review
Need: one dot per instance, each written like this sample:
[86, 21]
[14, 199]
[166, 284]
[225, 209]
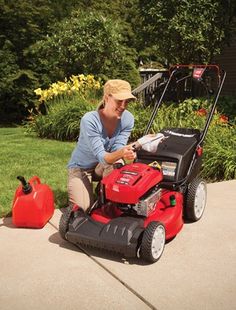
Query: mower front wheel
[195, 200]
[64, 221]
[153, 242]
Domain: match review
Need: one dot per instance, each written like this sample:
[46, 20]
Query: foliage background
[43, 41]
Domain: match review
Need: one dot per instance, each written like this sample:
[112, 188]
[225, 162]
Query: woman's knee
[80, 190]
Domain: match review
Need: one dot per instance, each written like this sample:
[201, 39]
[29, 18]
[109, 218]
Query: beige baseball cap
[119, 89]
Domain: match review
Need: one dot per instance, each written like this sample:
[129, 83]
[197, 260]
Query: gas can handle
[35, 180]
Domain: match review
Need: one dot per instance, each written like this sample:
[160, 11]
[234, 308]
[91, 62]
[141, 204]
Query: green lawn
[24, 154]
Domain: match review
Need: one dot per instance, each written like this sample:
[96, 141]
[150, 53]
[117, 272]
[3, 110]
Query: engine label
[168, 168]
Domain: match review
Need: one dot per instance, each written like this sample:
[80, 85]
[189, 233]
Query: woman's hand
[128, 152]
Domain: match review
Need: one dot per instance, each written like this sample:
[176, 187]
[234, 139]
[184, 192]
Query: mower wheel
[153, 242]
[64, 221]
[195, 200]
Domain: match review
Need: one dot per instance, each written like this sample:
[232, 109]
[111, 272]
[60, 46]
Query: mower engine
[133, 187]
[147, 204]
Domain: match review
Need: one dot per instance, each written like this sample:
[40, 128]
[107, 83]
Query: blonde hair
[101, 105]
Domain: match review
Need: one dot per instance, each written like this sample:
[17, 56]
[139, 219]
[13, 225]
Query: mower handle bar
[211, 113]
[196, 66]
[204, 131]
[157, 104]
[173, 70]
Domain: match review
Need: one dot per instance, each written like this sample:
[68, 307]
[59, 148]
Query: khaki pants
[80, 186]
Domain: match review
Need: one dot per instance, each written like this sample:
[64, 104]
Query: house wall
[227, 61]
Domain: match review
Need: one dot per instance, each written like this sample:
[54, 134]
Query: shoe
[77, 211]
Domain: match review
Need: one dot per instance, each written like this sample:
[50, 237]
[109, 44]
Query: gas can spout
[26, 187]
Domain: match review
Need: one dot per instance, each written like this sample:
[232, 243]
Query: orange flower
[224, 119]
[201, 112]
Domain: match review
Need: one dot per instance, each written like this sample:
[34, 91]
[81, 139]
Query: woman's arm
[125, 152]
[93, 136]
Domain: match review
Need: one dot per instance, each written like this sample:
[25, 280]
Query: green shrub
[82, 43]
[220, 153]
[63, 119]
[184, 114]
[219, 157]
[128, 71]
[141, 117]
[227, 106]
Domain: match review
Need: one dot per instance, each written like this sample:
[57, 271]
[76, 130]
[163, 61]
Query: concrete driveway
[197, 270]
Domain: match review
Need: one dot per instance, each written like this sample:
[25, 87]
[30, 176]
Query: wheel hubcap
[158, 241]
[200, 200]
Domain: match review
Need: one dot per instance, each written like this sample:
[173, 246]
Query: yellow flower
[38, 91]
[76, 83]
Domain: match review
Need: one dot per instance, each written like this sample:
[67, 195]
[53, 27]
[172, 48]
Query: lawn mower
[144, 204]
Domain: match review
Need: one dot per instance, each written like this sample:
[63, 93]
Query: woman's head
[116, 96]
[119, 89]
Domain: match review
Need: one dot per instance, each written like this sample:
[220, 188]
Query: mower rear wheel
[195, 200]
[153, 242]
[64, 221]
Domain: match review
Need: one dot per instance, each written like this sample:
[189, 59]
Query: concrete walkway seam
[147, 303]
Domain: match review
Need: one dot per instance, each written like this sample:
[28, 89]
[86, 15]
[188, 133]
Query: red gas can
[33, 204]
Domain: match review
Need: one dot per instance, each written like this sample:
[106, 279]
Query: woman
[102, 142]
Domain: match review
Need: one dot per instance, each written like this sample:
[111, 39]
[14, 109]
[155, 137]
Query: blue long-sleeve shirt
[94, 142]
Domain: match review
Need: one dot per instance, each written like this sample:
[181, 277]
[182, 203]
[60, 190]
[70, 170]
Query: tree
[228, 18]
[84, 43]
[21, 23]
[185, 31]
[24, 22]
[8, 68]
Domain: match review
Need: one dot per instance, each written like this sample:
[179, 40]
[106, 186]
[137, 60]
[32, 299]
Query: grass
[27, 155]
